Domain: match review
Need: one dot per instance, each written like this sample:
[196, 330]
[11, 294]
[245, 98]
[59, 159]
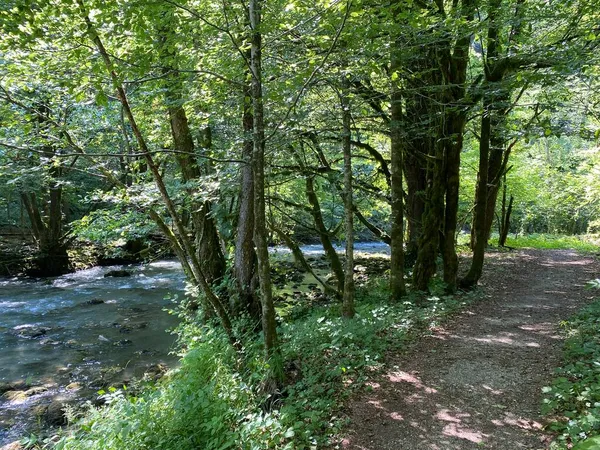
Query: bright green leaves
[101, 98]
[589, 444]
[575, 393]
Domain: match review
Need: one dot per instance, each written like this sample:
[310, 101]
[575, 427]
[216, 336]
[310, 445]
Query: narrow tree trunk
[479, 215]
[378, 232]
[29, 201]
[415, 173]
[348, 301]
[301, 260]
[480, 232]
[397, 286]
[505, 223]
[498, 158]
[245, 256]
[258, 166]
[324, 235]
[453, 148]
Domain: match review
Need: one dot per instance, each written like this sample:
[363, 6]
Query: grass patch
[583, 243]
[573, 399]
[213, 402]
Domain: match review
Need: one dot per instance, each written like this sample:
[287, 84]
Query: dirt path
[477, 383]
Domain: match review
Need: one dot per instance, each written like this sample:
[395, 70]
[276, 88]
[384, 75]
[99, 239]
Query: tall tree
[207, 242]
[349, 288]
[397, 286]
[258, 169]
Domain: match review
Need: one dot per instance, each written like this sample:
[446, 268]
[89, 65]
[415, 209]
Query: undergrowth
[573, 399]
[584, 243]
[215, 401]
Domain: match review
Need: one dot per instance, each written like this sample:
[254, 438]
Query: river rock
[53, 413]
[117, 273]
[155, 372]
[127, 328]
[31, 331]
[74, 386]
[95, 301]
[15, 396]
[123, 343]
[16, 445]
[19, 385]
[36, 390]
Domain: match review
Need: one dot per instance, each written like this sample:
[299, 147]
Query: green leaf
[101, 99]
[589, 444]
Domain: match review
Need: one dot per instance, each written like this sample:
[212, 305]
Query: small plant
[584, 243]
[594, 284]
[573, 399]
[215, 401]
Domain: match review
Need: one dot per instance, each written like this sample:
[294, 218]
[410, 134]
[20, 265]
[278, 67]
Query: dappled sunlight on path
[476, 383]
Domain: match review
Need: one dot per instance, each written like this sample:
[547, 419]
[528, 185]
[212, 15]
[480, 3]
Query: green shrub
[584, 243]
[216, 401]
[573, 399]
[204, 404]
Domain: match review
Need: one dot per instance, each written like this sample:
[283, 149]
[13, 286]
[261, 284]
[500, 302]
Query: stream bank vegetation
[218, 129]
[215, 399]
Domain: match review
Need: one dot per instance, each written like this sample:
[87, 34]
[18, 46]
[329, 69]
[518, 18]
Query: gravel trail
[476, 383]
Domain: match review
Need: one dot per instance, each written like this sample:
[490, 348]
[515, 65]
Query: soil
[476, 383]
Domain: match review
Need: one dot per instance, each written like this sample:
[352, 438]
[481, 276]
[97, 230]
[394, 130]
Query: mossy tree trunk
[349, 289]
[205, 232]
[397, 286]
[245, 255]
[258, 171]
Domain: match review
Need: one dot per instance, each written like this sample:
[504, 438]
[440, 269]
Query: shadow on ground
[476, 383]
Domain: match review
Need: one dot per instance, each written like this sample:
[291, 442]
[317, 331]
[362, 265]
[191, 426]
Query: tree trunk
[415, 173]
[455, 119]
[258, 166]
[425, 266]
[184, 243]
[505, 219]
[454, 144]
[440, 217]
[46, 215]
[479, 215]
[324, 235]
[245, 256]
[301, 260]
[480, 232]
[206, 236]
[498, 157]
[348, 300]
[397, 286]
[420, 134]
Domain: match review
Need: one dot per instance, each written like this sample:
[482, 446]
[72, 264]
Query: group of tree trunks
[423, 113]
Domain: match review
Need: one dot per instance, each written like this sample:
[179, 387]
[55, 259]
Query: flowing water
[65, 338]
[82, 328]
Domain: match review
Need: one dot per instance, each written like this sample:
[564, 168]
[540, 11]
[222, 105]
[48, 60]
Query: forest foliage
[221, 128]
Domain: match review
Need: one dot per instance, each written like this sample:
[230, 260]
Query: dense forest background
[217, 129]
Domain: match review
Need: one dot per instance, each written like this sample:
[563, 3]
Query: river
[64, 338]
[82, 330]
